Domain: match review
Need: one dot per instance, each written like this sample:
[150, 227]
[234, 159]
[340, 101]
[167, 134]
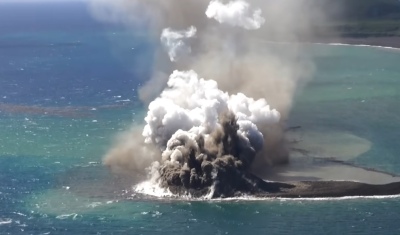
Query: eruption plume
[207, 134]
[208, 137]
[235, 13]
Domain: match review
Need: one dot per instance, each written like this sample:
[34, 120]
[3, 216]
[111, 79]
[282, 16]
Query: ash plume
[129, 156]
[218, 161]
[208, 133]
[234, 57]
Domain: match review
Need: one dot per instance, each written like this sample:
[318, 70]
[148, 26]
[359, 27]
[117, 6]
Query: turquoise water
[86, 75]
[356, 90]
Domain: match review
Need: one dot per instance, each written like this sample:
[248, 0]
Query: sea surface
[68, 86]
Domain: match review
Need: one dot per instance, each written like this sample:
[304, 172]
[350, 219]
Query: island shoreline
[333, 189]
[390, 42]
[298, 190]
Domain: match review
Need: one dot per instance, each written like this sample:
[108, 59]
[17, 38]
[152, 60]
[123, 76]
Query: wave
[155, 191]
[281, 199]
[73, 216]
[5, 221]
[152, 189]
[330, 44]
[357, 45]
[273, 199]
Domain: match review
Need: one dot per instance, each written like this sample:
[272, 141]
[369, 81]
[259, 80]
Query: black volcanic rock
[302, 189]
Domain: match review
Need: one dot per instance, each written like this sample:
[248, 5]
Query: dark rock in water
[240, 185]
[313, 189]
[219, 167]
[302, 189]
[220, 162]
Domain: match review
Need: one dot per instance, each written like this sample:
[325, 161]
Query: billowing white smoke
[192, 106]
[175, 42]
[184, 120]
[191, 112]
[235, 13]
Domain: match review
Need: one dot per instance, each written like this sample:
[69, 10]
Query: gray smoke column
[203, 129]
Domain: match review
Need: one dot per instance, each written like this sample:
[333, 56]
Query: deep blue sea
[68, 86]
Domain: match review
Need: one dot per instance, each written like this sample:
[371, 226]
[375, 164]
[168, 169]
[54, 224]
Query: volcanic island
[223, 172]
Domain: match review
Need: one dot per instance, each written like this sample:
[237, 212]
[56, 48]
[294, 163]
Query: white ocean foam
[125, 100]
[5, 221]
[94, 204]
[66, 216]
[253, 198]
[151, 189]
[20, 214]
[332, 44]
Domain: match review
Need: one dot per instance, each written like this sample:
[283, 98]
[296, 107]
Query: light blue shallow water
[51, 178]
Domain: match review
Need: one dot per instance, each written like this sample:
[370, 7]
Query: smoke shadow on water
[327, 155]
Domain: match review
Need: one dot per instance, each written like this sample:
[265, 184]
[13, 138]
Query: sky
[11, 1]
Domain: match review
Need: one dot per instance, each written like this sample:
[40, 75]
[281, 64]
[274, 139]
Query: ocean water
[68, 87]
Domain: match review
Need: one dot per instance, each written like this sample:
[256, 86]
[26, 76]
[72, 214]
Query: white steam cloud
[235, 13]
[175, 42]
[194, 106]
